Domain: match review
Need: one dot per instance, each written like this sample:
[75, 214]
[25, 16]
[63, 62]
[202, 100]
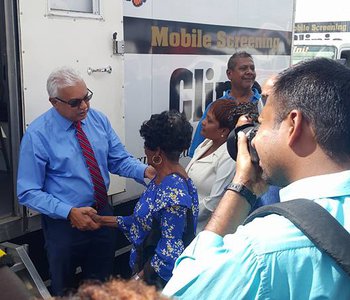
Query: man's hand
[233, 208]
[248, 173]
[80, 218]
[150, 172]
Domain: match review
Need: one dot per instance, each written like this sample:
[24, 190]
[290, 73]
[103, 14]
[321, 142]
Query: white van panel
[79, 41]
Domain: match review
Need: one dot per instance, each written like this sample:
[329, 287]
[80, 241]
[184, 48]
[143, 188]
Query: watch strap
[243, 191]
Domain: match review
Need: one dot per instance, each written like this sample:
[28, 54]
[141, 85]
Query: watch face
[239, 187]
[243, 191]
[235, 186]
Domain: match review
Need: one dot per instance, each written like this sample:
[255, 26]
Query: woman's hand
[109, 221]
[95, 217]
[80, 218]
[243, 120]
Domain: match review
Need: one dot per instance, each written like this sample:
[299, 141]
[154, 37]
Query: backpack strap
[316, 223]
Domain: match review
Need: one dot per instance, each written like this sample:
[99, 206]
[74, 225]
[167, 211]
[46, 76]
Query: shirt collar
[256, 96]
[315, 187]
[62, 121]
[207, 143]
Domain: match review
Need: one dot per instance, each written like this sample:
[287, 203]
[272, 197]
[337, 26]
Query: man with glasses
[65, 158]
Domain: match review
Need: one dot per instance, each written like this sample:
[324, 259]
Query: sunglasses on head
[77, 102]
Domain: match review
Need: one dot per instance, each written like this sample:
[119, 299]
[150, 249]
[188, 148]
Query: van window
[69, 7]
[302, 52]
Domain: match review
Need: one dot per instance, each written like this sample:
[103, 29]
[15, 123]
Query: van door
[78, 34]
[7, 207]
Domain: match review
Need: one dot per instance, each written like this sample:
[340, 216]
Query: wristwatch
[243, 191]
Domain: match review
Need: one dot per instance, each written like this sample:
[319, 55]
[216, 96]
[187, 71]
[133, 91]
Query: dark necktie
[100, 191]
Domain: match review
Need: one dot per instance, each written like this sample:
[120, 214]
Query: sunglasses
[77, 102]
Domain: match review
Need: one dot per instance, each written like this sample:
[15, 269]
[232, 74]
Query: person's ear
[294, 122]
[53, 101]
[225, 132]
[228, 73]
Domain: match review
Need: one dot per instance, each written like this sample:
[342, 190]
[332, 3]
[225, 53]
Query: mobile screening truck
[322, 39]
[322, 29]
[138, 57]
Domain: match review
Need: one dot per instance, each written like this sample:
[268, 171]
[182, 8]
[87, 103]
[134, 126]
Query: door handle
[107, 69]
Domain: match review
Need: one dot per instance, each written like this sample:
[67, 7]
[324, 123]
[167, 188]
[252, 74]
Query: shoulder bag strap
[188, 234]
[317, 224]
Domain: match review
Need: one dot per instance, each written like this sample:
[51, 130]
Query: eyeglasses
[264, 98]
[77, 102]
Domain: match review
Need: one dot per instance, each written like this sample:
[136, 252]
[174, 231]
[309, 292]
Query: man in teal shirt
[304, 147]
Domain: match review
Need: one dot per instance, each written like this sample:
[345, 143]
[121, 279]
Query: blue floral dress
[168, 203]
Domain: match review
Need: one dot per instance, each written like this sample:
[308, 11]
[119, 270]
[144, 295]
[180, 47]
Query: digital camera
[250, 131]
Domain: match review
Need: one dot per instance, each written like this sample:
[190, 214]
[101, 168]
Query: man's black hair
[233, 59]
[320, 89]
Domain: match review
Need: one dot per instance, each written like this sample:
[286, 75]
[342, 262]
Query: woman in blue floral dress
[167, 207]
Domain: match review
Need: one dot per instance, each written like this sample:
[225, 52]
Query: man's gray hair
[61, 78]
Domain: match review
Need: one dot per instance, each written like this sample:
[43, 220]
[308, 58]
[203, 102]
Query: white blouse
[211, 175]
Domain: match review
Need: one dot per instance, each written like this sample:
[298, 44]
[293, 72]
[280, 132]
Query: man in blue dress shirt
[54, 180]
[304, 147]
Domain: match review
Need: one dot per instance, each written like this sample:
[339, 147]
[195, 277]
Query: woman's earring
[157, 160]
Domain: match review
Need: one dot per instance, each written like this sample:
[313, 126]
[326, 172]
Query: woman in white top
[211, 168]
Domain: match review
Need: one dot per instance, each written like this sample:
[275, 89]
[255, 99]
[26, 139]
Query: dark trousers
[67, 248]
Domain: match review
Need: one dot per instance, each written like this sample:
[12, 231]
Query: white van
[138, 57]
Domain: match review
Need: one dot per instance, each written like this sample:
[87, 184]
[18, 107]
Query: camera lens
[250, 131]
[250, 135]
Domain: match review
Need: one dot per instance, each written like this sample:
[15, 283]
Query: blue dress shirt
[268, 258]
[52, 173]
[270, 197]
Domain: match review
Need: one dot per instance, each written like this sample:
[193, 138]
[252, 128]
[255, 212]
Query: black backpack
[316, 223]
